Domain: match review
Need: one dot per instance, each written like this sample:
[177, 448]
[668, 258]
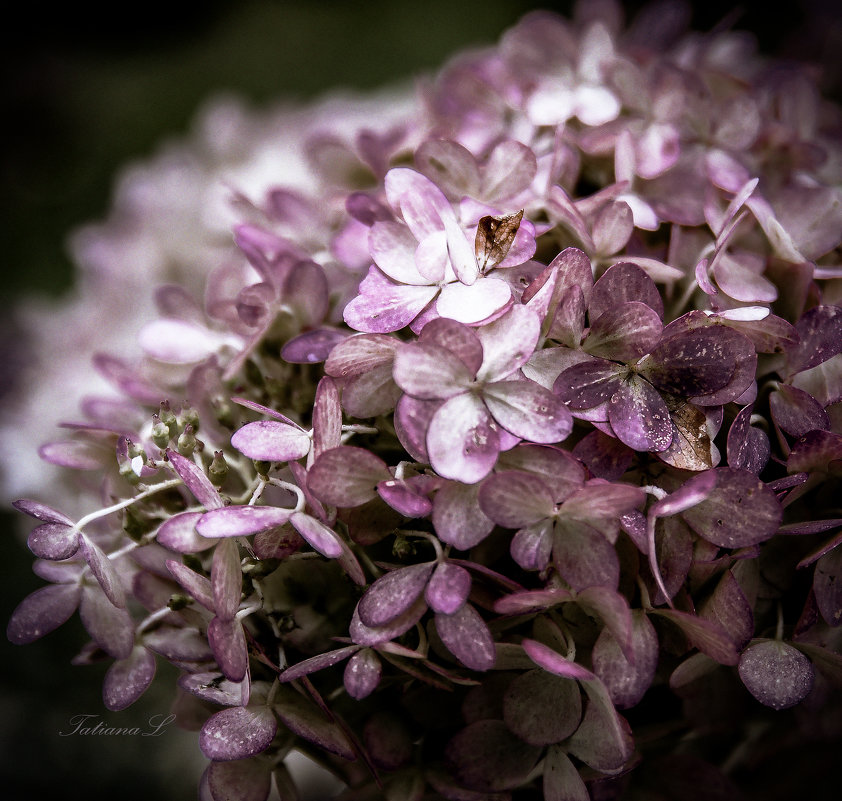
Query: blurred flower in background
[251, 80]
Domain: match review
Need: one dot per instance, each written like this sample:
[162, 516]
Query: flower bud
[160, 432]
[187, 442]
[218, 469]
[189, 417]
[168, 418]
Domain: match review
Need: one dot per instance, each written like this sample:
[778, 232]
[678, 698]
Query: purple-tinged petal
[567, 324]
[728, 607]
[457, 516]
[606, 457]
[584, 557]
[514, 499]
[271, 441]
[304, 718]
[748, 447]
[318, 535]
[796, 412]
[459, 251]
[624, 332]
[589, 383]
[362, 674]
[827, 586]
[529, 411]
[375, 635]
[179, 534]
[623, 283]
[486, 756]
[178, 341]
[127, 679]
[741, 511]
[598, 502]
[371, 394]
[179, 644]
[228, 643]
[561, 779]
[639, 416]
[392, 247]
[197, 585]
[240, 521]
[448, 588]
[393, 594]
[542, 708]
[508, 342]
[603, 740]
[738, 277]
[384, 306]
[509, 170]
[226, 579]
[359, 354]
[195, 480]
[261, 409]
[531, 601]
[465, 634]
[103, 570]
[318, 662]
[450, 166]
[214, 688]
[430, 372]
[456, 338]
[531, 546]
[75, 454]
[238, 780]
[42, 611]
[412, 419]
[53, 541]
[815, 451]
[237, 733]
[312, 347]
[820, 337]
[627, 674]
[41, 511]
[612, 228]
[613, 608]
[420, 201]
[431, 259]
[347, 476]
[692, 492]
[703, 634]
[471, 304]
[776, 674]
[327, 417]
[462, 439]
[402, 498]
[277, 543]
[553, 662]
[110, 627]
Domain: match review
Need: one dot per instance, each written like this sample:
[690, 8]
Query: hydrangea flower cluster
[502, 461]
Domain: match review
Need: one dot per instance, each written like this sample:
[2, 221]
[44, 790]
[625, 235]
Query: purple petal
[748, 447]
[104, 572]
[53, 541]
[393, 594]
[475, 303]
[457, 517]
[346, 476]
[448, 588]
[508, 342]
[465, 634]
[77, 455]
[239, 780]
[178, 341]
[430, 372]
[605, 457]
[271, 441]
[195, 480]
[624, 332]
[228, 643]
[214, 688]
[359, 354]
[127, 679]
[110, 627]
[561, 472]
[531, 546]
[639, 416]
[529, 411]
[797, 412]
[627, 673]
[531, 601]
[383, 306]
[261, 409]
[729, 608]
[371, 394]
[41, 511]
[365, 635]
[612, 228]
[515, 499]
[226, 579]
[277, 543]
[240, 521]
[450, 166]
[179, 644]
[420, 201]
[692, 492]
[237, 733]
[362, 674]
[542, 708]
[820, 337]
[196, 585]
[599, 501]
[179, 534]
[705, 635]
[776, 674]
[456, 338]
[412, 419]
[623, 283]
[462, 439]
[554, 662]
[509, 169]
[402, 498]
[603, 740]
[305, 719]
[312, 347]
[589, 383]
[318, 662]
[584, 557]
[42, 611]
[327, 417]
[392, 247]
[741, 511]
[318, 535]
[561, 780]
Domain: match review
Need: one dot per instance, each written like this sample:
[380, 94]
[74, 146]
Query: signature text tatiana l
[85, 725]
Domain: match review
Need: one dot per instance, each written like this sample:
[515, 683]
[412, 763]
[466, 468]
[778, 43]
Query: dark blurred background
[85, 88]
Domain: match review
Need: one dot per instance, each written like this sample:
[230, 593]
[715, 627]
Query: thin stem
[302, 501]
[89, 518]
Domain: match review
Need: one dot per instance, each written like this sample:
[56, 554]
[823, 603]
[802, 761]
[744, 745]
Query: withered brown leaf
[494, 238]
[691, 448]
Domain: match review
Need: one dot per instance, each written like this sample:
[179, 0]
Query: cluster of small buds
[527, 415]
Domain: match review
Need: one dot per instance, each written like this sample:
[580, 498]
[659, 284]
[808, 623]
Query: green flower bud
[187, 442]
[160, 432]
[218, 469]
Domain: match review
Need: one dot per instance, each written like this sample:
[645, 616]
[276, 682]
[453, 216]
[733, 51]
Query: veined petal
[529, 411]
[515, 499]
[393, 594]
[429, 371]
[383, 305]
[639, 416]
[392, 247]
[475, 303]
[448, 588]
[508, 342]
